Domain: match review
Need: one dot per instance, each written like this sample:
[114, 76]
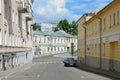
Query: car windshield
[69, 59]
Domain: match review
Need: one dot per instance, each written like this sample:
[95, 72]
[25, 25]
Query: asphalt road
[52, 68]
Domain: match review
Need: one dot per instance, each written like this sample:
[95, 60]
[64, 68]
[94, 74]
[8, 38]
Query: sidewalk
[99, 71]
[7, 73]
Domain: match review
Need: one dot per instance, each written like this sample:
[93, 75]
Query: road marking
[82, 76]
[50, 62]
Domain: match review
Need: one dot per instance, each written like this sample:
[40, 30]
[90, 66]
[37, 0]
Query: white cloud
[52, 11]
[55, 10]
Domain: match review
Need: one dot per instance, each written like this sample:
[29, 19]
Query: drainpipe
[85, 41]
[100, 29]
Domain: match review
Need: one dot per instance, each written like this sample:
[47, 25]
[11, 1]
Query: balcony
[28, 16]
[22, 7]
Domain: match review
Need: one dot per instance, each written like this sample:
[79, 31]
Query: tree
[74, 28]
[63, 25]
[36, 27]
[70, 28]
[55, 29]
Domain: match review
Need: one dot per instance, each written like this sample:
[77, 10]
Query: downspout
[100, 43]
[85, 41]
[100, 29]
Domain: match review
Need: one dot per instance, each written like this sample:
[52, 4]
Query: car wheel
[65, 65]
[74, 65]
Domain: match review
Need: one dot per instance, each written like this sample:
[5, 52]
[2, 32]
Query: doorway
[113, 53]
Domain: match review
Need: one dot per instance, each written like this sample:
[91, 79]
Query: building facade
[47, 26]
[102, 37]
[15, 32]
[46, 43]
[82, 35]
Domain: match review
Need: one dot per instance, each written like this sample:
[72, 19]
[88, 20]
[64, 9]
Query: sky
[52, 11]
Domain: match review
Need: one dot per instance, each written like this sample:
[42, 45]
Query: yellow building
[102, 38]
[81, 35]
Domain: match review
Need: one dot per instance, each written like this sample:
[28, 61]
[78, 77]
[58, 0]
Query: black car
[69, 62]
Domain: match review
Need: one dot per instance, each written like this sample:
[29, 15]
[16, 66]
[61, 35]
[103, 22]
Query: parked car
[69, 62]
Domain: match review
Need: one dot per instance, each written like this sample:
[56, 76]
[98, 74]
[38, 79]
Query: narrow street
[52, 68]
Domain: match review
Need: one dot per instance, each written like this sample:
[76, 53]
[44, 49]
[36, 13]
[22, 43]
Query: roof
[101, 10]
[91, 13]
[60, 33]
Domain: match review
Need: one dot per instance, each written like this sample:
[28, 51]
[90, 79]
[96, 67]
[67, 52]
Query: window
[95, 27]
[104, 24]
[44, 40]
[117, 17]
[51, 49]
[10, 36]
[13, 40]
[9, 13]
[95, 48]
[0, 37]
[110, 20]
[104, 50]
[13, 16]
[98, 48]
[16, 19]
[48, 49]
[114, 19]
[5, 38]
[0, 7]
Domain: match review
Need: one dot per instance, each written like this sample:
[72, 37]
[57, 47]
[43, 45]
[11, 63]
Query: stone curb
[99, 71]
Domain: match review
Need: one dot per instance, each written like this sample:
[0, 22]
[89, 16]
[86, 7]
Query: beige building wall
[103, 38]
[15, 29]
[81, 35]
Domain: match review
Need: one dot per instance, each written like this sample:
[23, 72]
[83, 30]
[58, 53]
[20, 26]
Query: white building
[16, 38]
[50, 42]
[47, 26]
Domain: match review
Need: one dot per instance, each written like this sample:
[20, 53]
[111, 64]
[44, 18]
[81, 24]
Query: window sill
[114, 26]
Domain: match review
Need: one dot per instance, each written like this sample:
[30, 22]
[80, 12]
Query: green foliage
[36, 27]
[55, 29]
[70, 28]
[73, 28]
